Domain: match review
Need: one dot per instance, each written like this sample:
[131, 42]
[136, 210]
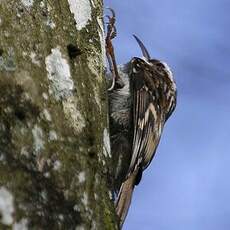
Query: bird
[142, 97]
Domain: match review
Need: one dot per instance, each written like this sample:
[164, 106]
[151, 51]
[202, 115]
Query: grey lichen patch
[46, 114]
[94, 225]
[61, 83]
[81, 9]
[57, 165]
[102, 39]
[97, 98]
[38, 141]
[81, 227]
[97, 56]
[6, 206]
[24, 152]
[34, 59]
[85, 200]
[42, 4]
[49, 20]
[45, 96]
[73, 114]
[21, 225]
[8, 60]
[94, 64]
[50, 23]
[81, 177]
[44, 195]
[53, 135]
[2, 158]
[27, 3]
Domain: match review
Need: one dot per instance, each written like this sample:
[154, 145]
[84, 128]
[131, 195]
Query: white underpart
[125, 78]
[81, 10]
[59, 75]
[6, 206]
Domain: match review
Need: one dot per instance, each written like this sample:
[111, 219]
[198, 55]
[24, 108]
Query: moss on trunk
[54, 150]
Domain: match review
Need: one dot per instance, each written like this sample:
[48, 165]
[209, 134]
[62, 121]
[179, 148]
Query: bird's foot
[111, 34]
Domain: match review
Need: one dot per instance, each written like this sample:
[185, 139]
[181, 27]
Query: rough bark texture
[54, 144]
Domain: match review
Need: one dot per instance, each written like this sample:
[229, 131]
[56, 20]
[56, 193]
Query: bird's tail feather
[124, 197]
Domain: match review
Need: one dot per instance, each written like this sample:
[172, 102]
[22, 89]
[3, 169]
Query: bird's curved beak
[143, 49]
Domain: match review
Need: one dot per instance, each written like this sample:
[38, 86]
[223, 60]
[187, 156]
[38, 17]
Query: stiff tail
[124, 197]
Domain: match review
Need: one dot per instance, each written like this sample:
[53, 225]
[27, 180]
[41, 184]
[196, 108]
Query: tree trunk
[54, 143]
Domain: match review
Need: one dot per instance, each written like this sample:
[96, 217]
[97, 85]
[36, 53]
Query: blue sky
[187, 185]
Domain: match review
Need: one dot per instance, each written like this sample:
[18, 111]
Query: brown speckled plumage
[138, 112]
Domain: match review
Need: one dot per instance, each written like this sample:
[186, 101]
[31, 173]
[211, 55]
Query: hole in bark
[92, 154]
[73, 51]
[1, 52]
[20, 114]
[44, 13]
[21, 10]
[91, 140]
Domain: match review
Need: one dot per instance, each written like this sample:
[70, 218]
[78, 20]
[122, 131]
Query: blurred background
[187, 185]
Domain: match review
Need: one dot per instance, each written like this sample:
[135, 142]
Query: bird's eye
[159, 64]
[136, 67]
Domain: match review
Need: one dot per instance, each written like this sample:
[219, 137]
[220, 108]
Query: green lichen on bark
[54, 166]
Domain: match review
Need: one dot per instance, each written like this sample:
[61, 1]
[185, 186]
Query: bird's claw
[111, 29]
[111, 34]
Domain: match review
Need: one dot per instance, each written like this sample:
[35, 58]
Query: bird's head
[146, 60]
[155, 74]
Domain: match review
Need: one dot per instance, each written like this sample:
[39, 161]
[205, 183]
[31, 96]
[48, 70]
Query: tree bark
[54, 144]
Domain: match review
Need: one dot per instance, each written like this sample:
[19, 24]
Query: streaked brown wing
[147, 124]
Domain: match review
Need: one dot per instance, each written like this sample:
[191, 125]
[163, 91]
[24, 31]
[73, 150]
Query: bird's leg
[111, 34]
